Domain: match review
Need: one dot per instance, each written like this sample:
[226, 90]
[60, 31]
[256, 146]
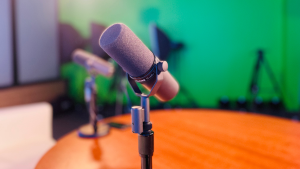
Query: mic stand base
[88, 131]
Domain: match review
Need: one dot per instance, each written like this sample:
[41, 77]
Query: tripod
[254, 88]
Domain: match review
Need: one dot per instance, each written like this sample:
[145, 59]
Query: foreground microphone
[120, 43]
[93, 63]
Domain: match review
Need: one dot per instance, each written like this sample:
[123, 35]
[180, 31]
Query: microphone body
[120, 43]
[93, 63]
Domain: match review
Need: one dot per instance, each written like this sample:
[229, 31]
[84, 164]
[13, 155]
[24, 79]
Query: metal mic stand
[140, 116]
[90, 96]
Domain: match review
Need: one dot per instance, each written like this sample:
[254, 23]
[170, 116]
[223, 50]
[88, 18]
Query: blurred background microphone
[93, 63]
[119, 42]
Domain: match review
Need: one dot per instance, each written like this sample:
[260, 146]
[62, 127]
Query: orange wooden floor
[187, 139]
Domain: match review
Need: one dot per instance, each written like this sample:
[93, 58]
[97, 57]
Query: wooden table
[187, 139]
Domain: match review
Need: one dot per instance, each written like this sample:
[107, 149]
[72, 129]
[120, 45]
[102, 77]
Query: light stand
[140, 116]
[254, 88]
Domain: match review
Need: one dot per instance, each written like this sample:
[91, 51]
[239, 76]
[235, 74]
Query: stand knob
[162, 66]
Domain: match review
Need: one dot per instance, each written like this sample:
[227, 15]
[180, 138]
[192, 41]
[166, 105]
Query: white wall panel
[37, 40]
[6, 67]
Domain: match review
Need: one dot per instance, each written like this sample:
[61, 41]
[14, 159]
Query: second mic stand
[94, 129]
[140, 116]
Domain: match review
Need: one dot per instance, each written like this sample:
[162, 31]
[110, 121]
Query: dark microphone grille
[120, 43]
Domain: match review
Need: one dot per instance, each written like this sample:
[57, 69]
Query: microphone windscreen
[120, 43]
[93, 62]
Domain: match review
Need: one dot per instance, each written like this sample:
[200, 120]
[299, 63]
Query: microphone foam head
[93, 63]
[120, 43]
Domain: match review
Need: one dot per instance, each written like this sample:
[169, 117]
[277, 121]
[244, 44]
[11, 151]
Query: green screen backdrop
[221, 41]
